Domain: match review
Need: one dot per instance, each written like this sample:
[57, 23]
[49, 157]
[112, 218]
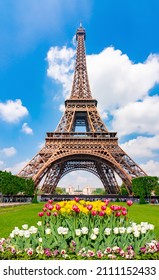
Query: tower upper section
[80, 87]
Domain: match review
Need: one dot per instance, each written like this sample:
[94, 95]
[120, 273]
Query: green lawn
[145, 213]
[17, 216]
[28, 214]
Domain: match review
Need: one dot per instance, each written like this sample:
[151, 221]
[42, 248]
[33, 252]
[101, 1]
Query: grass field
[28, 214]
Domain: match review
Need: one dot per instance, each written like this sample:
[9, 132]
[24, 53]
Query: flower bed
[81, 229]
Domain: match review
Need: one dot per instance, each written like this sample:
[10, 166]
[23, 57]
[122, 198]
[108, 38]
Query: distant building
[86, 190]
[70, 190]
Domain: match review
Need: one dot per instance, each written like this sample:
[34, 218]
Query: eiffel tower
[93, 149]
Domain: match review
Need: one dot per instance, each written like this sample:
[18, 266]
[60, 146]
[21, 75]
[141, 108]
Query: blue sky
[36, 58]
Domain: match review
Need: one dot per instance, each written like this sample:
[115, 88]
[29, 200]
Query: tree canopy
[143, 186]
[13, 185]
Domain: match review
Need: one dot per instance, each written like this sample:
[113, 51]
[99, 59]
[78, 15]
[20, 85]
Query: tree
[7, 184]
[99, 191]
[29, 187]
[123, 190]
[59, 190]
[157, 189]
[12, 184]
[143, 186]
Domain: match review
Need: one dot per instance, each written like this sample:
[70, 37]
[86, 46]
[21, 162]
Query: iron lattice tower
[95, 150]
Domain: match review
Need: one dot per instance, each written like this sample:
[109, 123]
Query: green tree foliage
[29, 187]
[157, 189]
[99, 191]
[143, 186]
[12, 185]
[59, 190]
[123, 190]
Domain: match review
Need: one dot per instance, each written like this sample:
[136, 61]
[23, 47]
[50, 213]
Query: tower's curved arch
[100, 165]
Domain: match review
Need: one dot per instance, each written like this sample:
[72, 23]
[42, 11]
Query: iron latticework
[94, 149]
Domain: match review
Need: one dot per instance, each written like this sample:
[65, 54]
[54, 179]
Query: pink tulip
[44, 209]
[124, 213]
[129, 202]
[74, 207]
[116, 208]
[103, 207]
[89, 207]
[77, 199]
[143, 249]
[50, 201]
[50, 207]
[106, 201]
[46, 205]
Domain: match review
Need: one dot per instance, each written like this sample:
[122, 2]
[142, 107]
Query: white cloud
[26, 129]
[12, 111]
[142, 147]
[61, 65]
[62, 108]
[115, 80]
[140, 117]
[17, 167]
[9, 152]
[151, 168]
[1, 164]
[80, 179]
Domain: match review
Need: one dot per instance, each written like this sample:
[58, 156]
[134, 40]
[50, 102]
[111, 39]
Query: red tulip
[74, 208]
[112, 207]
[94, 213]
[123, 208]
[89, 207]
[103, 207]
[101, 213]
[124, 213]
[50, 207]
[40, 214]
[118, 214]
[77, 199]
[48, 213]
[46, 205]
[106, 201]
[116, 208]
[78, 210]
[119, 207]
[50, 201]
[58, 207]
[129, 202]
[44, 209]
